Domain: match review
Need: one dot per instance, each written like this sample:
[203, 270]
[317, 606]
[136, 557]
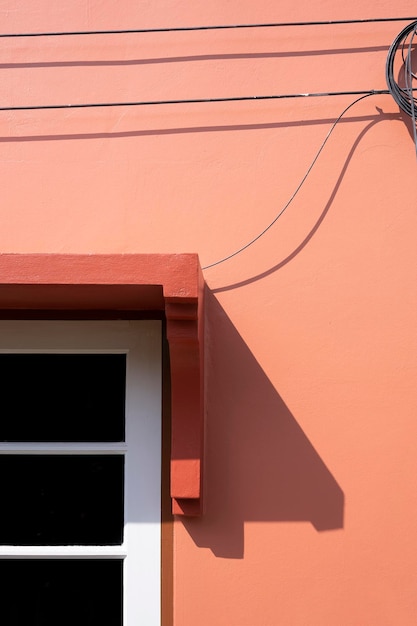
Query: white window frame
[141, 548]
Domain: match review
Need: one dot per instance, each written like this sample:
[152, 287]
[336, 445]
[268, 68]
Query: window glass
[62, 397]
[45, 592]
[62, 500]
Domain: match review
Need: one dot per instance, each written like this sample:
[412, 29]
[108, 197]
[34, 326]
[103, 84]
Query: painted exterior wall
[311, 465]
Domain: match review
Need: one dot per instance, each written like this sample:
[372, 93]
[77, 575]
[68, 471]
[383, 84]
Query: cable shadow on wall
[180, 130]
[191, 58]
[381, 117]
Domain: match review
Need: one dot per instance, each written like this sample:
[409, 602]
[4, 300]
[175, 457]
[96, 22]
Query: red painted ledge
[167, 283]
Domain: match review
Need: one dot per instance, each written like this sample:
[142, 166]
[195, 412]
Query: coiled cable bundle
[403, 95]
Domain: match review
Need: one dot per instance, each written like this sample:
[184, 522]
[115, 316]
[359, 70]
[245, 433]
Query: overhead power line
[403, 96]
[87, 105]
[177, 29]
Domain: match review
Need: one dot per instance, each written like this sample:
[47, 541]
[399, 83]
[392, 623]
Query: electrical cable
[87, 105]
[408, 77]
[392, 88]
[402, 96]
[176, 29]
[301, 183]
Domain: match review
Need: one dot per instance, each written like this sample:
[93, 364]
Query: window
[80, 460]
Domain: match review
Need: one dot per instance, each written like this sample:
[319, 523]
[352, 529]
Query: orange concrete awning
[155, 284]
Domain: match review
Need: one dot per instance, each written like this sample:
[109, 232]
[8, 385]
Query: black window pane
[62, 500]
[62, 397]
[59, 592]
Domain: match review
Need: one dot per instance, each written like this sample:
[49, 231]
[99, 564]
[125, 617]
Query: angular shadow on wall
[259, 465]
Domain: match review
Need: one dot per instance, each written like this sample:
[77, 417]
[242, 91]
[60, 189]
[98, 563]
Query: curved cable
[409, 85]
[301, 183]
[403, 96]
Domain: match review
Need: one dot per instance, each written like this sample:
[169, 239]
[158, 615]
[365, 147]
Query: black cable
[193, 100]
[301, 183]
[408, 79]
[402, 95]
[177, 29]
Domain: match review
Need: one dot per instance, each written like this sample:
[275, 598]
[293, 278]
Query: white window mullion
[62, 448]
[62, 552]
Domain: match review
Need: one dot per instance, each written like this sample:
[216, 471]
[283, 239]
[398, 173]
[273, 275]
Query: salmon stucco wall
[311, 343]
